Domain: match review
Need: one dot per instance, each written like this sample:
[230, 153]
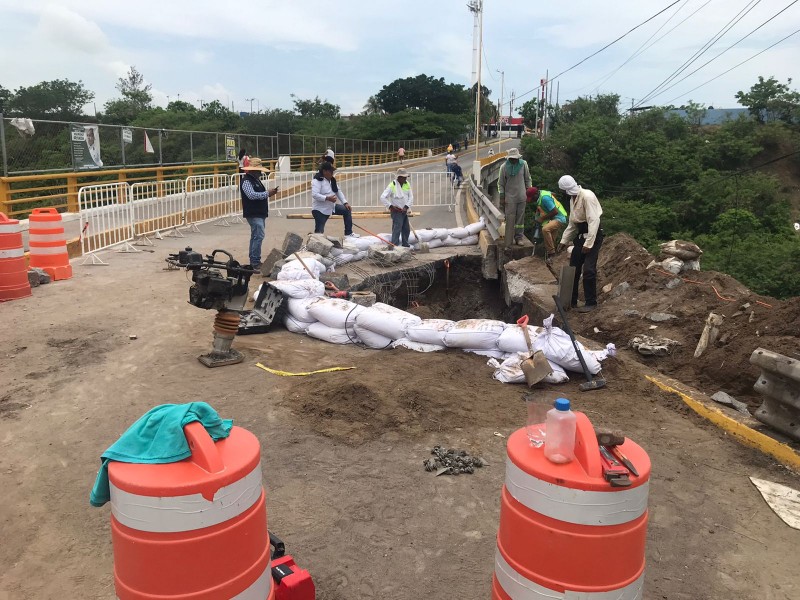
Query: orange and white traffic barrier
[47, 243]
[14, 283]
[194, 529]
[564, 531]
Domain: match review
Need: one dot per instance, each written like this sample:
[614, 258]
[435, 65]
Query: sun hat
[514, 153]
[401, 173]
[255, 165]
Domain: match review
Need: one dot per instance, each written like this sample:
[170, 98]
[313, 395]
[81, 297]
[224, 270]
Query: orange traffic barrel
[194, 529]
[564, 531]
[47, 243]
[14, 282]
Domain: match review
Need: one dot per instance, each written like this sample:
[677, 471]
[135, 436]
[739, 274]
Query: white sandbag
[292, 275]
[436, 243]
[332, 334]
[671, 265]
[343, 259]
[681, 249]
[557, 346]
[298, 308]
[365, 242]
[477, 334]
[450, 241]
[510, 370]
[335, 312]
[302, 288]
[295, 325]
[492, 353]
[440, 232]
[312, 263]
[337, 252]
[429, 331]
[475, 228]
[601, 355]
[371, 339]
[690, 265]
[513, 339]
[426, 235]
[348, 248]
[458, 232]
[468, 241]
[386, 320]
[361, 255]
[417, 346]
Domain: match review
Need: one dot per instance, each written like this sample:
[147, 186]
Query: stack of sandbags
[677, 256]
[294, 269]
[510, 370]
[297, 288]
[475, 335]
[455, 236]
[381, 324]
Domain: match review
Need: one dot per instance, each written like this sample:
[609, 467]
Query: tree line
[731, 188]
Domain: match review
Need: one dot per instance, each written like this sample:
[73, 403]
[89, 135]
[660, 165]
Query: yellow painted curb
[741, 432]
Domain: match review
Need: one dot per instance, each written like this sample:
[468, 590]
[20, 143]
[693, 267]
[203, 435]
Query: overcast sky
[346, 50]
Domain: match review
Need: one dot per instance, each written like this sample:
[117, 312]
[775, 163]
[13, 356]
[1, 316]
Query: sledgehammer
[591, 383]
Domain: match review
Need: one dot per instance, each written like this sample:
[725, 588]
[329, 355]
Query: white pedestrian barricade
[207, 198]
[363, 189]
[105, 219]
[157, 206]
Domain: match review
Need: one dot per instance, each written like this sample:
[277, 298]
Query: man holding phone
[255, 206]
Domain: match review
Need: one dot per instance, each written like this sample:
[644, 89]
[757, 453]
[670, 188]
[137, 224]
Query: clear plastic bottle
[559, 444]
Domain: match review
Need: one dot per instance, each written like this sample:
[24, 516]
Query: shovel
[423, 246]
[535, 367]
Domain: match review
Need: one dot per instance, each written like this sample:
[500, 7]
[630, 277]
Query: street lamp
[500, 104]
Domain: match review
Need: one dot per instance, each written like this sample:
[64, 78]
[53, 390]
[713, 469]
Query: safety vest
[406, 187]
[558, 204]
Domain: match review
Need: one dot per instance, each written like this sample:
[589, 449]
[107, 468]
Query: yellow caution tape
[287, 374]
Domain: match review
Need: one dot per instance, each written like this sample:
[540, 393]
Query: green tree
[695, 113]
[769, 100]
[316, 108]
[181, 107]
[425, 92]
[5, 96]
[372, 107]
[56, 99]
[136, 98]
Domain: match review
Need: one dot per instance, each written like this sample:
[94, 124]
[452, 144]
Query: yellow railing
[343, 161]
[22, 193]
[487, 160]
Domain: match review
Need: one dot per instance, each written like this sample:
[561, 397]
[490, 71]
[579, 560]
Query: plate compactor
[223, 286]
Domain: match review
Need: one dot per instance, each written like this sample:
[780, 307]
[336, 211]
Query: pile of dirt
[750, 320]
[354, 407]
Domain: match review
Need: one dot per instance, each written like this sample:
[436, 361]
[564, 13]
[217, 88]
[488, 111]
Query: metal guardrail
[779, 383]
[486, 209]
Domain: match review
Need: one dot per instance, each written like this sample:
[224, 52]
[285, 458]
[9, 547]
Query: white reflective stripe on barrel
[519, 587]
[42, 250]
[45, 224]
[580, 507]
[260, 589]
[9, 228]
[185, 513]
[47, 237]
[13, 253]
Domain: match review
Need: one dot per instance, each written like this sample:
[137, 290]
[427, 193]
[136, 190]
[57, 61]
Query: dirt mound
[724, 366]
[360, 405]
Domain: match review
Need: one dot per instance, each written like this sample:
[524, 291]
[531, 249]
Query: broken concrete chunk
[44, 276]
[728, 400]
[342, 282]
[319, 244]
[659, 317]
[690, 265]
[647, 345]
[632, 313]
[291, 243]
[752, 316]
[363, 298]
[607, 288]
[269, 263]
[681, 249]
[33, 278]
[710, 333]
[673, 283]
[620, 289]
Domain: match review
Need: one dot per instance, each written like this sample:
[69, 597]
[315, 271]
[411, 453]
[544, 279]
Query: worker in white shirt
[328, 199]
[584, 227]
[398, 198]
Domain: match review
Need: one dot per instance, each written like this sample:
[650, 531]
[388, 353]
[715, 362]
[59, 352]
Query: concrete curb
[744, 434]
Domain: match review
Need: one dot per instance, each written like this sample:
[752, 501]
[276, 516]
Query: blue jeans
[320, 219]
[257, 226]
[400, 228]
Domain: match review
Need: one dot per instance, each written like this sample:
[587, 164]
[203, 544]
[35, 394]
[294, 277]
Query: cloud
[201, 57]
[64, 27]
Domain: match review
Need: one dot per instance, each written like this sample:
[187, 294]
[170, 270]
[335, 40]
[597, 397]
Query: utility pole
[500, 103]
[476, 7]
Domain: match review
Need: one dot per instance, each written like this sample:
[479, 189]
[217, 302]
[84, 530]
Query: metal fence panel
[157, 206]
[105, 216]
[208, 197]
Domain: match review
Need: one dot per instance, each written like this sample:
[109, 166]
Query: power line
[726, 49]
[751, 4]
[663, 10]
[734, 67]
[640, 49]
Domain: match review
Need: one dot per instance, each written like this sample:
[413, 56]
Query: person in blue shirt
[255, 206]
[550, 214]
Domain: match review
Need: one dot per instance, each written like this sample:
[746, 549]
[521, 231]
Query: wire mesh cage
[406, 285]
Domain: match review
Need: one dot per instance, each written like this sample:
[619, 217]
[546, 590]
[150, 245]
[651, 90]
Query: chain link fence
[50, 148]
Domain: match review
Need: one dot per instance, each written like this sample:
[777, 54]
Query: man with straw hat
[255, 206]
[515, 179]
[398, 198]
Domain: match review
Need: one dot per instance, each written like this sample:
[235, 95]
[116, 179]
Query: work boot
[548, 258]
[518, 239]
[586, 308]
